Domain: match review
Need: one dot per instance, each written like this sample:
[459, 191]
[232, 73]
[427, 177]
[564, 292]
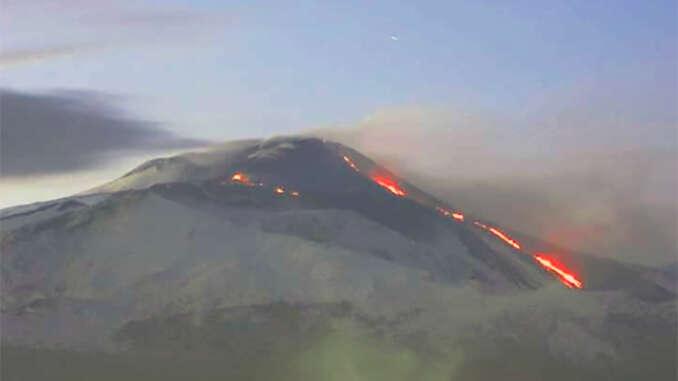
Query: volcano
[264, 249]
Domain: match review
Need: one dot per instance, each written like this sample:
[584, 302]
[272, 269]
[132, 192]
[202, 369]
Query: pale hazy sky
[219, 70]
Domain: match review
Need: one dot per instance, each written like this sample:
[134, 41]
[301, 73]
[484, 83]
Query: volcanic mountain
[265, 258]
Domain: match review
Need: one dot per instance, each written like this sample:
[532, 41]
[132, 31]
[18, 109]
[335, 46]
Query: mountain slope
[310, 240]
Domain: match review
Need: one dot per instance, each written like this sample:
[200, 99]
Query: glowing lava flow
[456, 215]
[565, 276]
[351, 163]
[241, 178]
[500, 234]
[505, 238]
[391, 185]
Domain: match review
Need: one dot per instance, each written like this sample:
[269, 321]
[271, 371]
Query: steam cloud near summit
[593, 187]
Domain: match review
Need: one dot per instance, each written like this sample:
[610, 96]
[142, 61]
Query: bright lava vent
[241, 178]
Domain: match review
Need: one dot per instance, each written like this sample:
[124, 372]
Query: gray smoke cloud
[9, 58]
[43, 134]
[576, 178]
[72, 28]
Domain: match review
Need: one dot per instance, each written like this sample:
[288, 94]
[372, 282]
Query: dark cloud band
[57, 133]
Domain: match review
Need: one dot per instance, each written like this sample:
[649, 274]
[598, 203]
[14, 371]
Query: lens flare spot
[294, 194]
[390, 185]
[566, 277]
[351, 163]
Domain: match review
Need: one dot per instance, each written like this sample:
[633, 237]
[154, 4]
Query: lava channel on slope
[459, 216]
[499, 234]
[351, 163]
[390, 185]
[386, 182]
[512, 242]
[564, 275]
[549, 264]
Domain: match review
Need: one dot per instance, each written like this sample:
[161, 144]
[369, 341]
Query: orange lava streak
[391, 185]
[279, 190]
[459, 216]
[505, 238]
[351, 163]
[567, 278]
[241, 178]
[500, 234]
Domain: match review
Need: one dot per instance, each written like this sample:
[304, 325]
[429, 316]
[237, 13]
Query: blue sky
[559, 75]
[216, 69]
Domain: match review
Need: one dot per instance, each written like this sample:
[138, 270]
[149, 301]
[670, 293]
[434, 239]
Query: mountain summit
[294, 238]
[322, 175]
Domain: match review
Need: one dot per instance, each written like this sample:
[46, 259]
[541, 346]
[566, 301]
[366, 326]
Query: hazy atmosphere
[554, 120]
[567, 110]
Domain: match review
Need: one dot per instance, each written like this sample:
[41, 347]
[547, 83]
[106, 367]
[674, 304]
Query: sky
[453, 89]
[224, 69]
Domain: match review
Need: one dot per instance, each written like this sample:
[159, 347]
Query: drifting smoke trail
[563, 274]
